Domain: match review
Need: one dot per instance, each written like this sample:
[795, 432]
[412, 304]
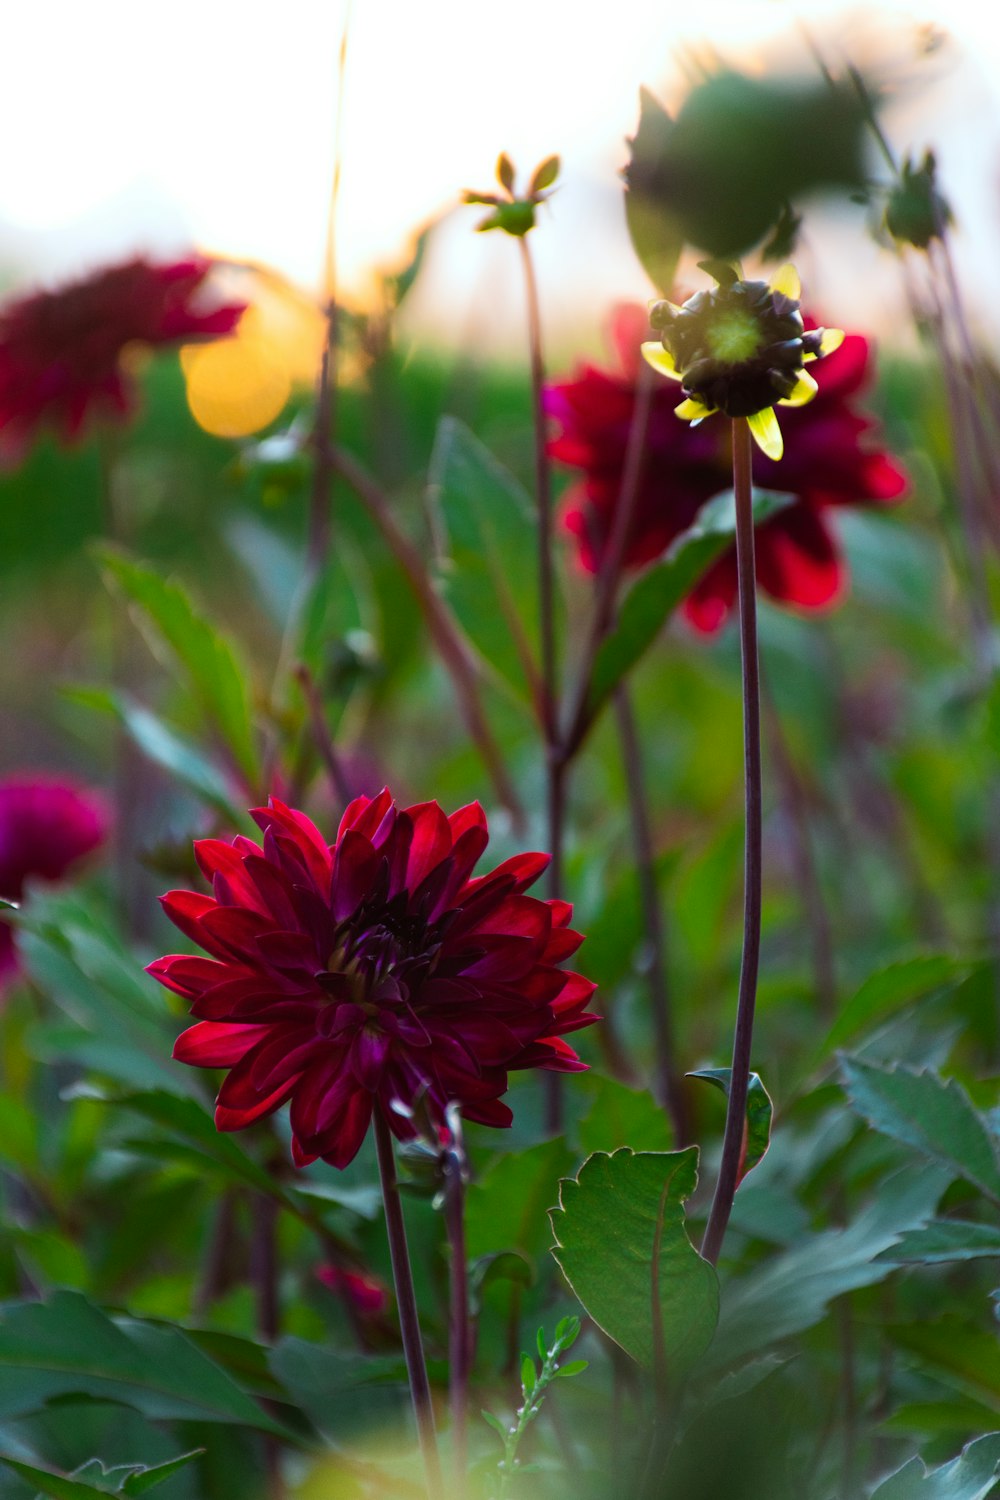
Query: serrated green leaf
[970, 1476]
[208, 661]
[655, 595]
[622, 1246]
[759, 1111]
[934, 1115]
[68, 1347]
[489, 533]
[946, 1240]
[58, 1486]
[148, 1477]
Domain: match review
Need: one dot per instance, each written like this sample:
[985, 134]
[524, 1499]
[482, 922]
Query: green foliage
[94, 1479]
[759, 1111]
[622, 1246]
[970, 1476]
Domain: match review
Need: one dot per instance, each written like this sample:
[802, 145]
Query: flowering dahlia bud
[512, 212]
[740, 349]
[915, 211]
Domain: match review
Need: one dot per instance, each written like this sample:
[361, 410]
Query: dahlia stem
[668, 1080]
[444, 632]
[555, 765]
[406, 1303]
[264, 1275]
[739, 1082]
[322, 738]
[459, 1338]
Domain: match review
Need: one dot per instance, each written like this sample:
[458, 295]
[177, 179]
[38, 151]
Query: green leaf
[575, 1367]
[545, 174]
[621, 1116]
[964, 1358]
[790, 1292]
[509, 1201]
[759, 1110]
[927, 1112]
[655, 595]
[58, 1486]
[208, 661]
[500, 1265]
[67, 1347]
[946, 1240]
[890, 989]
[345, 1395]
[622, 1246]
[188, 1121]
[489, 535]
[970, 1476]
[529, 1375]
[148, 1477]
[495, 1423]
[164, 746]
[124, 1479]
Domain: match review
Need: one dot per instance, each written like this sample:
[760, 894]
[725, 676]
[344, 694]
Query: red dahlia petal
[214, 1045]
[188, 974]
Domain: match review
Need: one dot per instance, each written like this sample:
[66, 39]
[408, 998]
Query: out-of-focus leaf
[208, 661]
[501, 1265]
[934, 1115]
[94, 1479]
[506, 1208]
[946, 1240]
[188, 1121]
[740, 150]
[790, 1292]
[68, 1347]
[889, 990]
[620, 1116]
[622, 1246]
[970, 1476]
[963, 1357]
[164, 746]
[58, 1486]
[489, 541]
[759, 1111]
[355, 1401]
[655, 595]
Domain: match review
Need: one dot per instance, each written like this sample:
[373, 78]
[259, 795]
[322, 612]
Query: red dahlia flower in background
[345, 977]
[61, 351]
[45, 827]
[828, 461]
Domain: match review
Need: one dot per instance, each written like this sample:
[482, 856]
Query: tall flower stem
[406, 1302]
[732, 1142]
[668, 1081]
[459, 1334]
[555, 766]
[322, 738]
[264, 1275]
[440, 623]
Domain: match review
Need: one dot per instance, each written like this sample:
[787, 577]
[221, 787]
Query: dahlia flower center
[377, 954]
[734, 336]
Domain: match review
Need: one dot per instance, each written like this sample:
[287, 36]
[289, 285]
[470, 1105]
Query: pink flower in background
[46, 826]
[63, 351]
[830, 459]
[368, 1296]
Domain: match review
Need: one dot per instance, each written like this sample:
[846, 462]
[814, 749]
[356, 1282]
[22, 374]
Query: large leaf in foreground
[623, 1248]
[488, 573]
[930, 1113]
[69, 1347]
[970, 1476]
[655, 595]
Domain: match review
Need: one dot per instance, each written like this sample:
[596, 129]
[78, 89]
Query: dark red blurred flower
[61, 351]
[45, 827]
[368, 1296]
[361, 973]
[829, 460]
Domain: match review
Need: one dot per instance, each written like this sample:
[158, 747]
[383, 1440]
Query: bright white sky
[133, 125]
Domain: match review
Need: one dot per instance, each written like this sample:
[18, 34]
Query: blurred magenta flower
[368, 1296]
[64, 353]
[829, 460]
[45, 827]
[372, 971]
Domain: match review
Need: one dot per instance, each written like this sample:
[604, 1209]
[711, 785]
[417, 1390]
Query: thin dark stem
[459, 1335]
[806, 874]
[217, 1255]
[444, 632]
[668, 1080]
[732, 1142]
[264, 1275]
[406, 1303]
[612, 558]
[556, 794]
[322, 738]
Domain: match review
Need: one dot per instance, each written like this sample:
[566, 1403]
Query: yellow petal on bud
[804, 390]
[766, 433]
[832, 339]
[692, 410]
[786, 280]
[661, 360]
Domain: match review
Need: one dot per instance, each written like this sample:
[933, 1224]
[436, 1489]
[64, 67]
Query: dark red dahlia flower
[45, 827]
[61, 351]
[349, 976]
[829, 460]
